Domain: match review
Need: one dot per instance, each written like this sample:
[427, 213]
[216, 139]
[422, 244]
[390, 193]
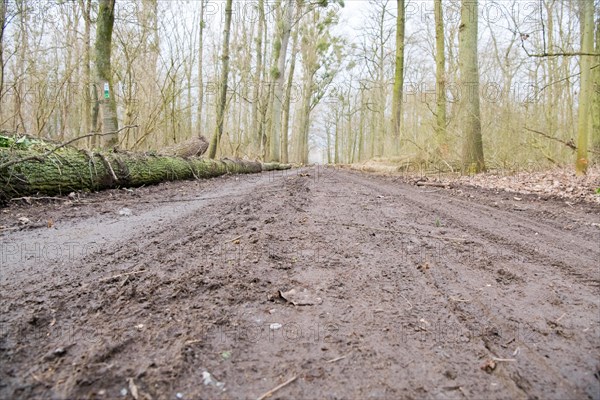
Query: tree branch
[569, 144]
[49, 152]
[567, 54]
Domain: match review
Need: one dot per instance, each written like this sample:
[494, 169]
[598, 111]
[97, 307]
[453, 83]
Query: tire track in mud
[539, 364]
[412, 315]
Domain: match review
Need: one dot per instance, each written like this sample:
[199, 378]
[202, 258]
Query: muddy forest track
[472, 219]
[411, 293]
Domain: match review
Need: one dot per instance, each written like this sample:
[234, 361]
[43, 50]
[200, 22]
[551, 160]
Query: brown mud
[175, 291]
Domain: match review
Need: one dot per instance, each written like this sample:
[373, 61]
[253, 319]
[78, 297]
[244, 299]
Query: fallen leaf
[300, 297]
[133, 389]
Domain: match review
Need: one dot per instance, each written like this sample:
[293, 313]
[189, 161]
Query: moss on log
[70, 169]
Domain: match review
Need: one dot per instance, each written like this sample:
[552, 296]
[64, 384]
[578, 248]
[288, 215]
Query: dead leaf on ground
[302, 297]
[133, 389]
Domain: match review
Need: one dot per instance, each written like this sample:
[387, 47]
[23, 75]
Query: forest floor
[336, 284]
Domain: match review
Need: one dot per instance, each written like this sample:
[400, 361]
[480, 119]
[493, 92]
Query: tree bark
[214, 143]
[585, 93]
[440, 75]
[86, 9]
[278, 73]
[70, 169]
[596, 93]
[108, 104]
[473, 159]
[3, 4]
[398, 76]
[200, 68]
[288, 97]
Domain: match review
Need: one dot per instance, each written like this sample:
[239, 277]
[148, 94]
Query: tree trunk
[288, 98]
[256, 84]
[86, 9]
[200, 67]
[440, 75]
[3, 4]
[398, 77]
[305, 118]
[286, 112]
[469, 86]
[70, 169]
[278, 74]
[214, 143]
[596, 93]
[108, 103]
[585, 93]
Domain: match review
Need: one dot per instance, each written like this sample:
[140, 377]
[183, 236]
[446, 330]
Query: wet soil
[402, 292]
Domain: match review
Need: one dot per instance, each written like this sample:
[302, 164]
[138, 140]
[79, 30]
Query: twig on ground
[459, 300]
[270, 392]
[121, 275]
[503, 359]
[559, 318]
[410, 306]
[433, 184]
[233, 240]
[337, 358]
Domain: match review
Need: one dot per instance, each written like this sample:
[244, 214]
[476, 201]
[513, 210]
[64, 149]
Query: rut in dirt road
[411, 292]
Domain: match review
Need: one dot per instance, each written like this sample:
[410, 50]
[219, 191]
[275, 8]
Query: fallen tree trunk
[70, 169]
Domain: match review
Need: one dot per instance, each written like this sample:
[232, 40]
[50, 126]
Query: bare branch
[570, 144]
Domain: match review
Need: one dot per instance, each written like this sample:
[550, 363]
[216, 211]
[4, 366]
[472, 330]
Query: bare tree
[108, 105]
[398, 75]
[585, 94]
[214, 143]
[440, 74]
[469, 86]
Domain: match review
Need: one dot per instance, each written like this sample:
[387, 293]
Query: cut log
[70, 169]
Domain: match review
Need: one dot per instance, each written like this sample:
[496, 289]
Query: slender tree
[108, 104]
[200, 68]
[469, 86]
[398, 75]
[3, 4]
[288, 91]
[585, 92]
[440, 74]
[284, 26]
[596, 92]
[214, 143]
[256, 84]
[86, 110]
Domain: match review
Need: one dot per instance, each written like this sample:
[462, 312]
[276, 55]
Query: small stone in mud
[60, 351]
[125, 212]
[450, 374]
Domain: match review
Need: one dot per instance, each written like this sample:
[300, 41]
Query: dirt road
[402, 292]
